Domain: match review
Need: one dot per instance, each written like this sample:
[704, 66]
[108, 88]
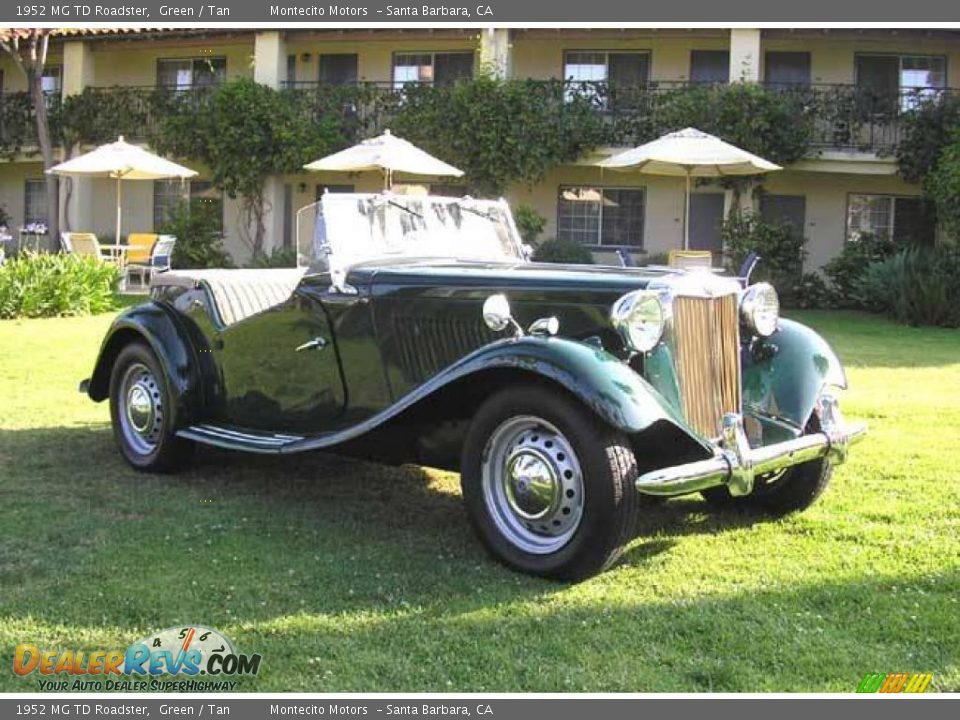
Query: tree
[245, 132]
[942, 185]
[28, 48]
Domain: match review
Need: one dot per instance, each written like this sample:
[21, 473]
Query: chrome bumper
[736, 464]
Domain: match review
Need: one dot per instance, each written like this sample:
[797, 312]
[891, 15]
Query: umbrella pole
[119, 208]
[686, 215]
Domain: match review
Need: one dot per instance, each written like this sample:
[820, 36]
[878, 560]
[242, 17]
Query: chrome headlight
[760, 309]
[638, 317]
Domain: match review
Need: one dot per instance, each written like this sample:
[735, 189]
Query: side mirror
[527, 250]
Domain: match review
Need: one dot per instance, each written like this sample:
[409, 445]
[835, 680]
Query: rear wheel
[141, 412]
[548, 487]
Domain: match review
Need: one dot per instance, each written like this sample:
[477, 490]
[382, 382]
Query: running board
[236, 439]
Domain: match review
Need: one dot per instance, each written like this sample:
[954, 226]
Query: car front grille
[706, 334]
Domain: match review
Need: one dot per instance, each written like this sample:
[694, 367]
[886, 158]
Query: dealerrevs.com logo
[180, 659]
[901, 682]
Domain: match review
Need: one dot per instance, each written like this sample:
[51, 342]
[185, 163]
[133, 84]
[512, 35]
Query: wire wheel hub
[532, 484]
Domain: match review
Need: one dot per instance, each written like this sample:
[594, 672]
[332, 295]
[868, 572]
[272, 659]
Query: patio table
[117, 254]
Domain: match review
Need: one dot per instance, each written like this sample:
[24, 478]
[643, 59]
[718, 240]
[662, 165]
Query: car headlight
[638, 317]
[760, 309]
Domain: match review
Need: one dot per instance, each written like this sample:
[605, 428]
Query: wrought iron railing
[843, 117]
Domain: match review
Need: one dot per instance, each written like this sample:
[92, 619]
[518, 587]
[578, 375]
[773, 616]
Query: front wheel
[793, 490]
[141, 411]
[548, 487]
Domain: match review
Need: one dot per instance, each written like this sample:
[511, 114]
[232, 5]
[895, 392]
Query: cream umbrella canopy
[122, 161]
[689, 153]
[388, 154]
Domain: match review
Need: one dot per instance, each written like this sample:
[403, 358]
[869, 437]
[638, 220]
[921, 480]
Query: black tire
[796, 490]
[607, 510]
[164, 451]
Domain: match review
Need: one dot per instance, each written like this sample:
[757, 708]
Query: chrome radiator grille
[707, 346]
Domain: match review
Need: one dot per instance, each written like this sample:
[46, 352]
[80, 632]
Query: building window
[183, 74]
[339, 68]
[905, 220]
[709, 66]
[52, 80]
[786, 68]
[615, 68]
[899, 81]
[168, 195]
[601, 216]
[607, 78]
[35, 201]
[439, 68]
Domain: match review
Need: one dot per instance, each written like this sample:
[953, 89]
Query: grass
[356, 577]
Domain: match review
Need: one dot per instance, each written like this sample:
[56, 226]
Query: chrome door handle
[318, 343]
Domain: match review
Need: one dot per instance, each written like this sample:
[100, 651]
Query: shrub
[43, 285]
[277, 258]
[778, 244]
[660, 258]
[845, 270]
[811, 293]
[197, 229]
[529, 223]
[562, 251]
[917, 286]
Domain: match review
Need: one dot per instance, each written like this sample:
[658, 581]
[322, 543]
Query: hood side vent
[428, 345]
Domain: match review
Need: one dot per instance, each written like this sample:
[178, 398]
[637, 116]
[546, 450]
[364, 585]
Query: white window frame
[603, 189]
[849, 234]
[29, 183]
[432, 54]
[182, 86]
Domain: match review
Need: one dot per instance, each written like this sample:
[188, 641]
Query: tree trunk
[46, 152]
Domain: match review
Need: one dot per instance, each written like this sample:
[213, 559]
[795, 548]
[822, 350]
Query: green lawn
[356, 577]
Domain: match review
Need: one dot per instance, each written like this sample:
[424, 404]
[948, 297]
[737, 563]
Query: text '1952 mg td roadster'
[419, 331]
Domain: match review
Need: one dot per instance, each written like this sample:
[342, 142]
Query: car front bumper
[736, 465]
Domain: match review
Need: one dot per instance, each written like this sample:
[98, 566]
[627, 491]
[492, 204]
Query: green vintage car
[419, 331]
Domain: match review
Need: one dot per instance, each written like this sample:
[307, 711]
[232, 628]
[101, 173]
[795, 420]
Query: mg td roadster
[419, 331]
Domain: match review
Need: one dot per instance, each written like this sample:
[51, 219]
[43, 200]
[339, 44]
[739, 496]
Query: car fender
[784, 375]
[604, 383]
[178, 349]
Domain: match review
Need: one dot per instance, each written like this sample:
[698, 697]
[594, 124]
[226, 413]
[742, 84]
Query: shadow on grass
[354, 576]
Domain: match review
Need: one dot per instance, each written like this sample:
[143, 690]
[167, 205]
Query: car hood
[507, 276]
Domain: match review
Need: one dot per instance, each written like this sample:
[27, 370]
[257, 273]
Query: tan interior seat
[238, 294]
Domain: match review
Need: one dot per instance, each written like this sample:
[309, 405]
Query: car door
[280, 369]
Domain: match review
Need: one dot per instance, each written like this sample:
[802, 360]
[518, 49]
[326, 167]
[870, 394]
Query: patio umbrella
[689, 153]
[388, 154]
[122, 161]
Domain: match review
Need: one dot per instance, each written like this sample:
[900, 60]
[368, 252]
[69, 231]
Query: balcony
[837, 117]
[18, 123]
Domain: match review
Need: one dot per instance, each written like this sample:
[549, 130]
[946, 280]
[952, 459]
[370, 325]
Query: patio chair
[691, 259]
[87, 245]
[141, 245]
[159, 260]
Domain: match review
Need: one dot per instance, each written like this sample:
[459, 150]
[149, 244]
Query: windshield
[352, 228]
